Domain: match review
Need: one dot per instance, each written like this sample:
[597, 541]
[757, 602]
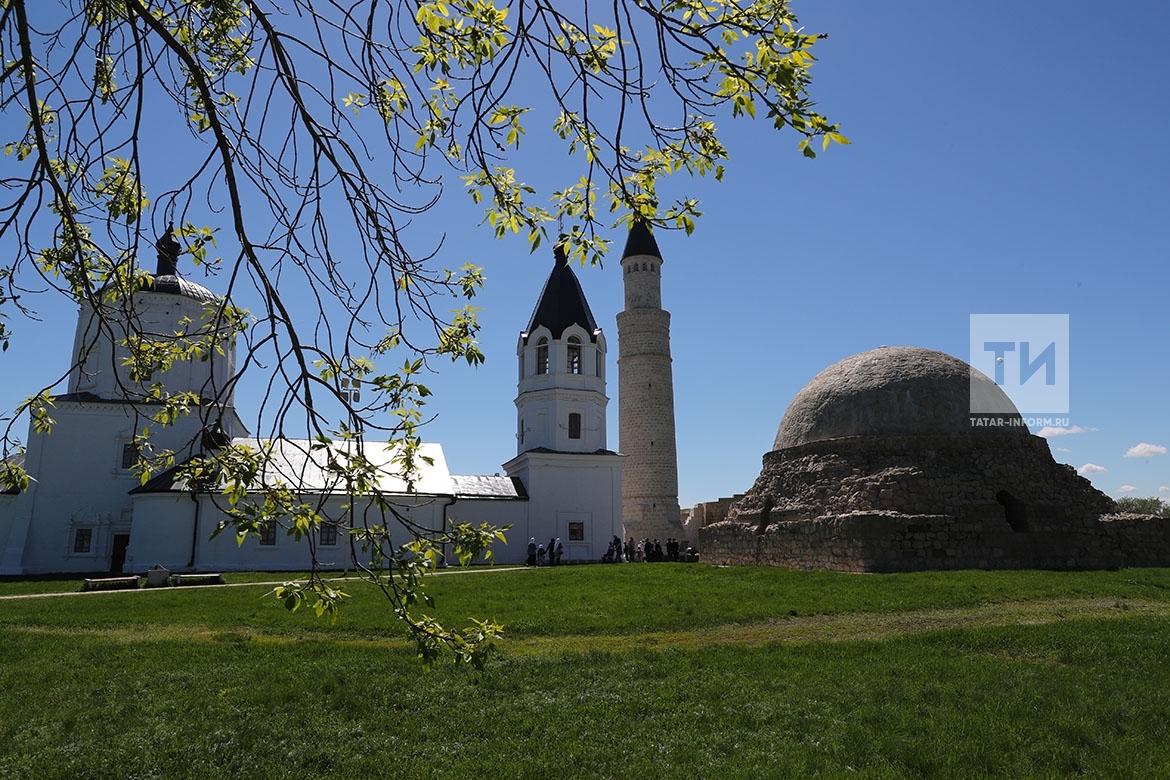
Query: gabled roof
[641, 242]
[297, 464]
[488, 487]
[300, 464]
[562, 302]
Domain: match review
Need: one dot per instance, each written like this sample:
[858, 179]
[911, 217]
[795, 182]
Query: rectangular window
[574, 426]
[542, 356]
[129, 455]
[82, 540]
[268, 533]
[327, 535]
[576, 532]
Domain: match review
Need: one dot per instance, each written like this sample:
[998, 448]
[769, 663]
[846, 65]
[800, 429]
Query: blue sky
[1006, 158]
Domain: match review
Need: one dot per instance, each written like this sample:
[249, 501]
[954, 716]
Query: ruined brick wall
[942, 501]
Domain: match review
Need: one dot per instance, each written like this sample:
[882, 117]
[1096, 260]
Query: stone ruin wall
[946, 501]
[704, 514]
[888, 542]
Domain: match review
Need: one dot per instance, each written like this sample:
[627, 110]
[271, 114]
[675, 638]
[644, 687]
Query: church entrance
[118, 554]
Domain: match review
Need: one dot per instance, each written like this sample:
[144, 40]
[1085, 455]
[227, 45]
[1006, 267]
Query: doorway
[118, 554]
[1014, 511]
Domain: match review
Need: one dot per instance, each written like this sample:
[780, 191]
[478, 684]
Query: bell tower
[561, 402]
[646, 396]
[572, 481]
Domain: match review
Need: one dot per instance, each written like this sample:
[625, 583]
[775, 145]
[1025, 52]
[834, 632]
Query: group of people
[541, 555]
[645, 551]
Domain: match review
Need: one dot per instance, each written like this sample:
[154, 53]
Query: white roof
[304, 465]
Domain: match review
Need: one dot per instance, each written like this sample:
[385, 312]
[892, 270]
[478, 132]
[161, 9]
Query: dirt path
[850, 627]
[809, 629]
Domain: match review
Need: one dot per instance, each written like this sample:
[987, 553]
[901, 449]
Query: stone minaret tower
[646, 396]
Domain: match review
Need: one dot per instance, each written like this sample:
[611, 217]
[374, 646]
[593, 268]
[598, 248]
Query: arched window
[574, 355]
[574, 426]
[542, 356]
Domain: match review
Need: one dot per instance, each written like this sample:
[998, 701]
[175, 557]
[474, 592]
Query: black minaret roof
[641, 242]
[166, 277]
[169, 250]
[562, 302]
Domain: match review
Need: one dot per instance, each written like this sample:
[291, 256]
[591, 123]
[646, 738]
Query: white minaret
[646, 396]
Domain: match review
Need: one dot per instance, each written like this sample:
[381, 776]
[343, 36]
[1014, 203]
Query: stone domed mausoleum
[878, 465]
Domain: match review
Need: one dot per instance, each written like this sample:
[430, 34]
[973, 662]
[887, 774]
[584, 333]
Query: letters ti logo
[1027, 355]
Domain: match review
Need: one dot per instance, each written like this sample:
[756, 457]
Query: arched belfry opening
[1014, 511]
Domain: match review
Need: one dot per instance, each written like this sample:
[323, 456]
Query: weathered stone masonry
[646, 396]
[851, 486]
[931, 502]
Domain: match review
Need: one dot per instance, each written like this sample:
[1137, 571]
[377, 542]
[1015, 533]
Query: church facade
[85, 510]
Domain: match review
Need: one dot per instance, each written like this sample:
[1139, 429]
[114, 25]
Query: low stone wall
[705, 514]
[889, 541]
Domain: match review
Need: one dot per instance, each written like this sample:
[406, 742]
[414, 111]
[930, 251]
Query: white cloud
[1063, 449]
[1144, 450]
[1091, 468]
[1126, 489]
[1049, 432]
[1164, 489]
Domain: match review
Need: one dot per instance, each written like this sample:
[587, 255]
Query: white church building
[86, 511]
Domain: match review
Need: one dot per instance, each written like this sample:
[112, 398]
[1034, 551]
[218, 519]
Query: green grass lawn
[606, 671]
